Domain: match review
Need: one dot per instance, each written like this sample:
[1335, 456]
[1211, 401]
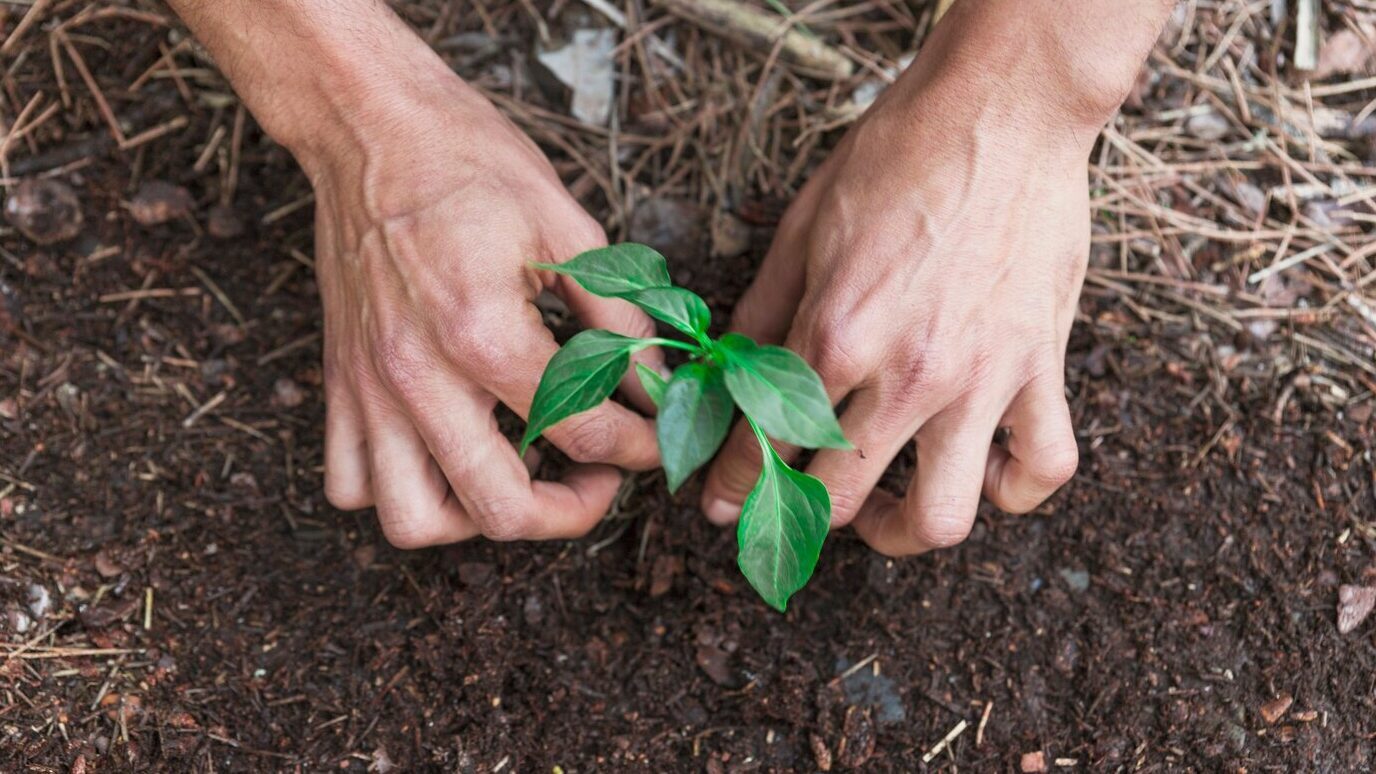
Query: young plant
[785, 518]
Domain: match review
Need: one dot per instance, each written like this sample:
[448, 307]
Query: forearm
[1064, 63]
[318, 73]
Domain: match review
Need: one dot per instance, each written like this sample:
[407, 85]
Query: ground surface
[175, 594]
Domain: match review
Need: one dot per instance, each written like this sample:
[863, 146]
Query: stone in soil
[158, 201]
[45, 211]
[1354, 605]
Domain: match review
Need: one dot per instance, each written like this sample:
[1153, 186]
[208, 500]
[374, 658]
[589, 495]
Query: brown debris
[223, 222]
[758, 30]
[1033, 762]
[663, 572]
[10, 311]
[1276, 708]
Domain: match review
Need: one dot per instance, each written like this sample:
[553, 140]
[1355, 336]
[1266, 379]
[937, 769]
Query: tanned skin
[929, 271]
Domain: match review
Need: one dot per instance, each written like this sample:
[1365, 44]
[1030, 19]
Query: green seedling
[785, 518]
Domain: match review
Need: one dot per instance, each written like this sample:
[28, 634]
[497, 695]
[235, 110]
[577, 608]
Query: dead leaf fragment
[820, 754]
[586, 66]
[1354, 605]
[662, 574]
[1346, 52]
[107, 567]
[1275, 709]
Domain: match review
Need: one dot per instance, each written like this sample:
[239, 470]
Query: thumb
[621, 317]
[765, 312]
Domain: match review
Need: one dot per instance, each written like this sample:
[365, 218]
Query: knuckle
[589, 437]
[401, 359]
[502, 518]
[845, 504]
[408, 528]
[942, 527]
[469, 340]
[837, 353]
[1056, 464]
[344, 494]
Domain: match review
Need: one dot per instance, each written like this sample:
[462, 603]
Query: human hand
[425, 227]
[929, 271]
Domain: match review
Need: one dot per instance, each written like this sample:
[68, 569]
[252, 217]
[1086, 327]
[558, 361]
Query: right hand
[425, 224]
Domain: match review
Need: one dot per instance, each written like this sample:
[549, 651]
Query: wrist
[1055, 69]
[327, 78]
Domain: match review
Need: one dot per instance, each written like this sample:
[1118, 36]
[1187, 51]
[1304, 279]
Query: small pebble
[40, 601]
[223, 222]
[158, 201]
[45, 211]
[1354, 605]
[1033, 762]
[1208, 126]
[287, 393]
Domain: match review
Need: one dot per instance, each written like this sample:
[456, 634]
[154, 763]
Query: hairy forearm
[1067, 64]
[316, 73]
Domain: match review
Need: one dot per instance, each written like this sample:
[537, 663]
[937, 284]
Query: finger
[878, 432]
[732, 475]
[491, 482]
[1041, 453]
[766, 309]
[737, 466]
[347, 477]
[939, 507]
[610, 433]
[621, 317]
[415, 506]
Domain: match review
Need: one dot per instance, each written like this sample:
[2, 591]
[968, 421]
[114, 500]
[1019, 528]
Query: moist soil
[1172, 608]
[1185, 579]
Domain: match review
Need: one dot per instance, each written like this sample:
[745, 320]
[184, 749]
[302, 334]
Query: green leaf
[582, 374]
[784, 522]
[777, 389]
[683, 309]
[615, 269]
[693, 420]
[653, 383]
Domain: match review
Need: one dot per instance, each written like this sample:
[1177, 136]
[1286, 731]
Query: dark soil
[210, 612]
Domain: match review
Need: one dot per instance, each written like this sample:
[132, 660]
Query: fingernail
[665, 372]
[721, 511]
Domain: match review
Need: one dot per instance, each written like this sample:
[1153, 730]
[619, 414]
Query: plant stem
[694, 348]
[765, 447]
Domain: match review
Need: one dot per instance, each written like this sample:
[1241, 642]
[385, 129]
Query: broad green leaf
[683, 309]
[615, 269]
[653, 383]
[777, 389]
[784, 522]
[582, 374]
[693, 420]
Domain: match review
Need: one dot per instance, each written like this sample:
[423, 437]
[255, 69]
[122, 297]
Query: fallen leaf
[586, 66]
[1346, 52]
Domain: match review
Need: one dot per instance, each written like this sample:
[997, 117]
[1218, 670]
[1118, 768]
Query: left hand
[929, 271]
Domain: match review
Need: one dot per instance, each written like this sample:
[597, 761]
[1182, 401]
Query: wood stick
[757, 30]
